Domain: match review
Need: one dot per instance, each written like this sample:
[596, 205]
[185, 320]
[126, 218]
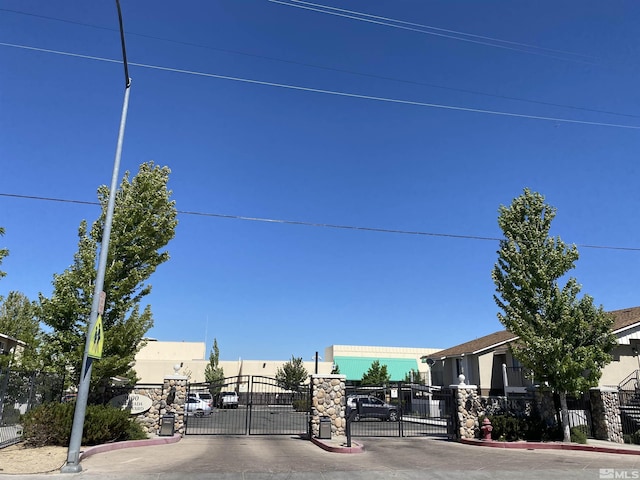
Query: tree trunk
[564, 416]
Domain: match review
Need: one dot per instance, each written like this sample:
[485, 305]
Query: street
[280, 457]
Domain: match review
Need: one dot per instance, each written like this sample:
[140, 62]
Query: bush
[579, 434]
[50, 424]
[301, 405]
[509, 428]
[633, 438]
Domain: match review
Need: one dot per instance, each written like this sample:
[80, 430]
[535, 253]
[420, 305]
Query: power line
[331, 92]
[456, 32]
[313, 224]
[333, 69]
[508, 45]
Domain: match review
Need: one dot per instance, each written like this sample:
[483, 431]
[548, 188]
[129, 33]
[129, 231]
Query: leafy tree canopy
[3, 253]
[376, 375]
[18, 319]
[564, 340]
[292, 375]
[213, 373]
[144, 222]
[413, 376]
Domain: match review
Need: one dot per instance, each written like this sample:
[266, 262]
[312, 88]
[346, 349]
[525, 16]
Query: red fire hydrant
[486, 429]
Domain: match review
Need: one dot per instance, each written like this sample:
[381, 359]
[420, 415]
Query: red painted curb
[108, 447]
[549, 446]
[355, 447]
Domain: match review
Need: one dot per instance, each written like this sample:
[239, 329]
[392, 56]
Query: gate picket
[264, 408]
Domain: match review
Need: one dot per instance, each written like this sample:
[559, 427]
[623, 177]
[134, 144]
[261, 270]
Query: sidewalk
[595, 446]
[374, 458]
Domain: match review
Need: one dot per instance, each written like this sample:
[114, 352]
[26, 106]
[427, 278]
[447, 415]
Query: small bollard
[486, 429]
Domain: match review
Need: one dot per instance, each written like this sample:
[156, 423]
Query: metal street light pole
[73, 455]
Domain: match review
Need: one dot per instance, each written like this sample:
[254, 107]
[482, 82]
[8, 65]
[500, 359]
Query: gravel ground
[18, 459]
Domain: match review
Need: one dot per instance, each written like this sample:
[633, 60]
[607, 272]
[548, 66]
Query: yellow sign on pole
[97, 339]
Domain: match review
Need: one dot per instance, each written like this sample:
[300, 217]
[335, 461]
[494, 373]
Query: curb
[355, 447]
[108, 447]
[549, 446]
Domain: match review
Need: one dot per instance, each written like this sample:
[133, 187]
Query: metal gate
[630, 413]
[263, 408]
[413, 410]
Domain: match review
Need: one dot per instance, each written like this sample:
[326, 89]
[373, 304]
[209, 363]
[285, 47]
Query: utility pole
[73, 455]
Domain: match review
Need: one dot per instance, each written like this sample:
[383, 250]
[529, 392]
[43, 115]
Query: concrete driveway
[279, 458]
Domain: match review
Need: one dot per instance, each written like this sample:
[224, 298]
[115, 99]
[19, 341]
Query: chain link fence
[20, 392]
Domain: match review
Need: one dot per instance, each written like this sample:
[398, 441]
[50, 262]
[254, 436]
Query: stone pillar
[546, 407]
[328, 400]
[174, 395]
[605, 414]
[467, 410]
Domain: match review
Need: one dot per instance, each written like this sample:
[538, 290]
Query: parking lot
[280, 457]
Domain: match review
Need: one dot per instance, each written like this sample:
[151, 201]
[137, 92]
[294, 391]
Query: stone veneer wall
[545, 406]
[605, 414]
[468, 409]
[150, 419]
[328, 400]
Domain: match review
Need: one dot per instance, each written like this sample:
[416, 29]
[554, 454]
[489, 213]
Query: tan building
[487, 361]
[159, 359]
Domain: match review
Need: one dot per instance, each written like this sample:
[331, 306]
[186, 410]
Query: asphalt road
[291, 458]
[262, 420]
[268, 420]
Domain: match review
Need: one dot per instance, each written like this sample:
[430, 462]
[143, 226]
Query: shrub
[510, 428]
[633, 438]
[301, 405]
[507, 427]
[579, 434]
[538, 430]
[50, 424]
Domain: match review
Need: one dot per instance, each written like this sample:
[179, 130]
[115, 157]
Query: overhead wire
[456, 32]
[332, 92]
[419, 30]
[313, 224]
[333, 69]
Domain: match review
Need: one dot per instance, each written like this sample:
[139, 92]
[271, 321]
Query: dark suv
[371, 407]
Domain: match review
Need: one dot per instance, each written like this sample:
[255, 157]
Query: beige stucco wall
[157, 359]
[624, 363]
[177, 351]
[485, 367]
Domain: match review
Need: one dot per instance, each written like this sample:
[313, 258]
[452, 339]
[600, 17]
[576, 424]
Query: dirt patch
[23, 460]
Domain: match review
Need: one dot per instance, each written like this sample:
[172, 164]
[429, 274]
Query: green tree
[213, 373]
[3, 253]
[18, 319]
[564, 340]
[413, 376]
[144, 222]
[376, 375]
[292, 375]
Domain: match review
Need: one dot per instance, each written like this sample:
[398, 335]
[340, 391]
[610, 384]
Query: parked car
[228, 400]
[351, 400]
[367, 406]
[206, 396]
[196, 407]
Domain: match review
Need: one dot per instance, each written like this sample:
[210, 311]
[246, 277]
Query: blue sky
[270, 290]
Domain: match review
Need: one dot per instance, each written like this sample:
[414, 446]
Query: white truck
[228, 400]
